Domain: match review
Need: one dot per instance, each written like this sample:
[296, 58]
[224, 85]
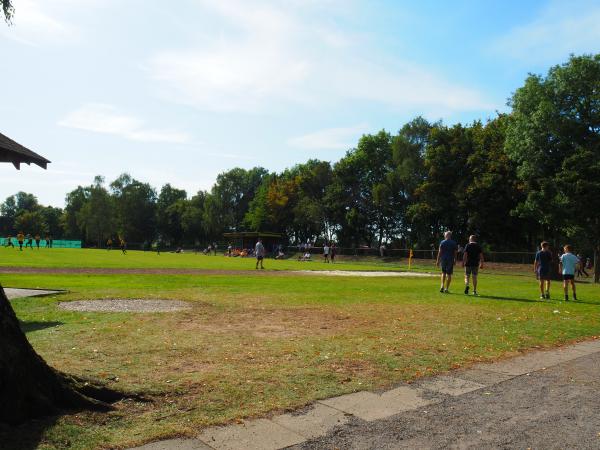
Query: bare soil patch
[272, 323]
[125, 305]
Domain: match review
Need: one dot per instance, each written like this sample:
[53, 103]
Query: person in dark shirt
[446, 257]
[472, 262]
[541, 267]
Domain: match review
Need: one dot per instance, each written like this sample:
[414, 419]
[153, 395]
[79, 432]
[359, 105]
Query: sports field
[254, 342]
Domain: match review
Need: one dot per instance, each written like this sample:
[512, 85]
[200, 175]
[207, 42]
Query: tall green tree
[31, 222]
[554, 137]
[54, 218]
[170, 207]
[74, 202]
[192, 217]
[135, 208]
[230, 198]
[96, 217]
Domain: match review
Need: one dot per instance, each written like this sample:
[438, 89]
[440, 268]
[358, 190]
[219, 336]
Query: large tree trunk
[28, 386]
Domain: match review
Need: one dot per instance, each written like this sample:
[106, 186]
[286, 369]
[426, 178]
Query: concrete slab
[586, 348]
[318, 421]
[484, 377]
[12, 293]
[369, 406]
[261, 434]
[175, 444]
[531, 362]
[451, 385]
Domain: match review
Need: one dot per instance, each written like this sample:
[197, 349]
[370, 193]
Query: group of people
[472, 261]
[570, 265]
[27, 241]
[329, 253]
[122, 244]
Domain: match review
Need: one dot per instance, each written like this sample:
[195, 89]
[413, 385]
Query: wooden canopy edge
[15, 153]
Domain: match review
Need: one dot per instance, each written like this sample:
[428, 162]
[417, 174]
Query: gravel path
[125, 305]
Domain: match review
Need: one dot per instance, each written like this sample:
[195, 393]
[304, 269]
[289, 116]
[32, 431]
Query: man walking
[259, 252]
[472, 261]
[447, 257]
[567, 265]
[542, 267]
[326, 252]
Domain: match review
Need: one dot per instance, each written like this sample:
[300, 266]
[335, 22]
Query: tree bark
[30, 388]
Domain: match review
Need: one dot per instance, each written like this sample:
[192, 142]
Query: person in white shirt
[568, 265]
[326, 252]
[259, 252]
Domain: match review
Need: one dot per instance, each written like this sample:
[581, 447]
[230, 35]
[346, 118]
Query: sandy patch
[125, 305]
[271, 323]
[357, 273]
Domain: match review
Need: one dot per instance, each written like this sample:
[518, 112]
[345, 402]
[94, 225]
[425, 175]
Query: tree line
[528, 174]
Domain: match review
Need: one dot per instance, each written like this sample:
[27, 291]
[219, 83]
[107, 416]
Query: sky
[178, 92]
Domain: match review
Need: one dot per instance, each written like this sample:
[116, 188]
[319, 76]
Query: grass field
[66, 258]
[252, 345]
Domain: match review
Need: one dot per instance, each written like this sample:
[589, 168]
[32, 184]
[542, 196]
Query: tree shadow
[30, 326]
[27, 436]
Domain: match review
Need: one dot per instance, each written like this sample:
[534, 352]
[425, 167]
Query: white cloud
[329, 139]
[266, 57]
[100, 118]
[560, 29]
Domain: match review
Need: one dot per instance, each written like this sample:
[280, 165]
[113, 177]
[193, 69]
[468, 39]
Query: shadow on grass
[28, 327]
[27, 436]
[511, 299]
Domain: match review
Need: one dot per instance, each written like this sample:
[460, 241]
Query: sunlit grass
[251, 345]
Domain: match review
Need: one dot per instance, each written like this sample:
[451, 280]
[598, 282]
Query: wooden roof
[13, 152]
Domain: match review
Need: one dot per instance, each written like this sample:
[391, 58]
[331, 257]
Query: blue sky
[180, 91]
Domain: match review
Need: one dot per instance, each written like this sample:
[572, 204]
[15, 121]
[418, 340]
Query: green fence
[57, 243]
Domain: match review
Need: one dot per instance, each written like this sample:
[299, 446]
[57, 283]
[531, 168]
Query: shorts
[544, 274]
[447, 267]
[568, 276]
[259, 258]
[471, 270]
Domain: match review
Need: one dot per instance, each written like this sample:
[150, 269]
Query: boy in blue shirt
[447, 257]
[568, 264]
[541, 267]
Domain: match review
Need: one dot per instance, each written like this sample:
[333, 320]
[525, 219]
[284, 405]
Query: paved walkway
[545, 399]
[18, 293]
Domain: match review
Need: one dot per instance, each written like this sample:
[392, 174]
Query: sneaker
[467, 289]
[566, 298]
[574, 297]
[475, 293]
[542, 297]
[548, 295]
[446, 291]
[442, 290]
